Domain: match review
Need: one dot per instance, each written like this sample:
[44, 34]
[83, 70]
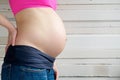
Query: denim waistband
[28, 56]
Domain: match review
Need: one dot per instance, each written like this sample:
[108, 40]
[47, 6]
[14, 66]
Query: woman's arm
[11, 30]
[6, 23]
[56, 71]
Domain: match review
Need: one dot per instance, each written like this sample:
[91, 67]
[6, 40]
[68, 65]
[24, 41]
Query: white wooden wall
[92, 51]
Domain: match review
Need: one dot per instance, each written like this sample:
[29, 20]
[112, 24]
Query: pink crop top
[18, 5]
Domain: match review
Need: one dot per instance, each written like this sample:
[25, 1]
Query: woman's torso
[41, 28]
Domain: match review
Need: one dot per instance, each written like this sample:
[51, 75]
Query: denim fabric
[15, 72]
[24, 62]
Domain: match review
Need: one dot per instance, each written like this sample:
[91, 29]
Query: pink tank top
[18, 5]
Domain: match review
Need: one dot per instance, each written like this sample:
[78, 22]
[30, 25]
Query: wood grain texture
[82, 1]
[92, 51]
[83, 15]
[88, 46]
[89, 78]
[86, 2]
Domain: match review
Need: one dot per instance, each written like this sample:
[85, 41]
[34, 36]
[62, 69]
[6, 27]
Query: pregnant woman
[35, 43]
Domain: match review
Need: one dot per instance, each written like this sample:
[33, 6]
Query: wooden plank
[89, 70]
[3, 40]
[89, 15]
[87, 24]
[71, 31]
[88, 61]
[8, 14]
[3, 31]
[83, 15]
[92, 27]
[3, 1]
[82, 31]
[80, 1]
[88, 2]
[91, 24]
[86, 46]
[2, 51]
[88, 7]
[66, 70]
[91, 46]
[84, 28]
[91, 42]
[84, 53]
[94, 41]
[89, 78]
[6, 7]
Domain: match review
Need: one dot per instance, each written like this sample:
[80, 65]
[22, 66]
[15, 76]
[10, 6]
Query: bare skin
[40, 28]
[12, 32]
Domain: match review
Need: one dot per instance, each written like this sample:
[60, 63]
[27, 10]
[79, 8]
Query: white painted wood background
[92, 50]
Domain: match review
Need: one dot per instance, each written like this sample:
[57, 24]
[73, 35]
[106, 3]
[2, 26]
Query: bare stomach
[41, 29]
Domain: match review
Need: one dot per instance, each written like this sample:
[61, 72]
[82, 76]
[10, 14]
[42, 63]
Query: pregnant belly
[42, 29]
[50, 40]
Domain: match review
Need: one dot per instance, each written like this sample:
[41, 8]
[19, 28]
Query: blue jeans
[17, 72]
